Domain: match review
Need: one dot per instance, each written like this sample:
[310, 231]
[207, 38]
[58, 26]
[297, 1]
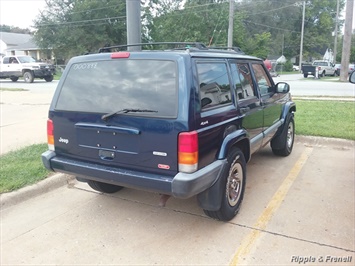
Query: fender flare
[233, 138]
[288, 109]
[211, 198]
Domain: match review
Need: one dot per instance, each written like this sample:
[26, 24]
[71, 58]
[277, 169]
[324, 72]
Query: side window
[214, 84]
[262, 79]
[6, 60]
[243, 81]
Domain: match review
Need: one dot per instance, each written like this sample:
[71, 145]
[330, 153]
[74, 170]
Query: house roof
[29, 45]
[14, 39]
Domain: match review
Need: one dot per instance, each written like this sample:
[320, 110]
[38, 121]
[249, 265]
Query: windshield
[109, 86]
[26, 59]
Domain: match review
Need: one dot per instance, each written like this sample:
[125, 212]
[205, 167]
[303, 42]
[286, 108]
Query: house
[21, 44]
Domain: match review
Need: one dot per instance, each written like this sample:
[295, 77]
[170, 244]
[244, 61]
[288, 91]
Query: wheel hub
[234, 184]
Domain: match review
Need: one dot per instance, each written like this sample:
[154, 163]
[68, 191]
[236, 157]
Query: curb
[58, 180]
[324, 142]
[310, 98]
[50, 183]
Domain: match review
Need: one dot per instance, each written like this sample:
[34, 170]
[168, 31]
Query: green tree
[13, 29]
[196, 21]
[74, 27]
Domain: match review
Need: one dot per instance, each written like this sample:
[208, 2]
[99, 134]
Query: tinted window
[214, 84]
[108, 86]
[262, 79]
[243, 81]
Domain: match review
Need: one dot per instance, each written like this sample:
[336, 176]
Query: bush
[288, 66]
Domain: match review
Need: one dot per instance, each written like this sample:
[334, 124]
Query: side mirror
[352, 77]
[282, 87]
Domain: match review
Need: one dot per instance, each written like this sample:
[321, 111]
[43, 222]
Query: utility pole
[133, 13]
[345, 58]
[230, 26]
[336, 35]
[302, 33]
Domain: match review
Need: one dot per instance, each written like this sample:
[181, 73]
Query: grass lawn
[22, 167]
[334, 119]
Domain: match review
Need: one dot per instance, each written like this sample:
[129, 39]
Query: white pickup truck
[325, 68]
[16, 66]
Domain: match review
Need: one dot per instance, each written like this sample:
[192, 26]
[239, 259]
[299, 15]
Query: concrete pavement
[23, 117]
[296, 210]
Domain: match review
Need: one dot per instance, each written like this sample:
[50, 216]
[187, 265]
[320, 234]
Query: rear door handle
[244, 109]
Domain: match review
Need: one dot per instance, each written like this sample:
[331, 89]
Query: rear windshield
[113, 85]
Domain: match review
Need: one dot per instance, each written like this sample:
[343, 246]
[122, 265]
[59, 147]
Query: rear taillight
[50, 134]
[188, 152]
[120, 55]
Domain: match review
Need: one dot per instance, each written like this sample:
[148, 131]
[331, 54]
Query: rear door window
[214, 84]
[113, 85]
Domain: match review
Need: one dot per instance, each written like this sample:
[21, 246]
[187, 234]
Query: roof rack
[234, 48]
[196, 46]
[178, 46]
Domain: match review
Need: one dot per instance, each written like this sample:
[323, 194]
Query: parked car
[352, 77]
[338, 67]
[308, 69]
[295, 68]
[181, 122]
[16, 66]
[325, 68]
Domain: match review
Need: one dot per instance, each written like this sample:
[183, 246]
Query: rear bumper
[44, 72]
[181, 185]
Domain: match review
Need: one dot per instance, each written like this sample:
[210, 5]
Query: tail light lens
[120, 55]
[188, 152]
[50, 134]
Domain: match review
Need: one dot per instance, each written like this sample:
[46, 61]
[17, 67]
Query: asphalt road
[296, 210]
[329, 86]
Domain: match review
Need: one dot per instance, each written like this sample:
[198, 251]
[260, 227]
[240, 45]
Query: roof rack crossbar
[187, 45]
[234, 48]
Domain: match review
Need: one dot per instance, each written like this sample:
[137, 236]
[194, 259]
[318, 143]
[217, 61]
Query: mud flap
[211, 198]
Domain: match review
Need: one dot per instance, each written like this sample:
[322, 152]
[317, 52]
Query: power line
[271, 27]
[81, 21]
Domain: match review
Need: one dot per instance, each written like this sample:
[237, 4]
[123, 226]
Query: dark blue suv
[180, 122]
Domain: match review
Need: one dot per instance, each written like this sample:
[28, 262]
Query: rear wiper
[125, 111]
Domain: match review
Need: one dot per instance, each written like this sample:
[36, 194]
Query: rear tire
[103, 187]
[283, 144]
[28, 77]
[305, 75]
[234, 179]
[48, 78]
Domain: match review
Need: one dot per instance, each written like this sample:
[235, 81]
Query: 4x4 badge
[204, 123]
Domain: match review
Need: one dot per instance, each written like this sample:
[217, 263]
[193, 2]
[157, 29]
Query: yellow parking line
[275, 202]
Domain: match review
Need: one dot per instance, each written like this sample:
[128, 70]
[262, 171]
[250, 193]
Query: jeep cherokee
[181, 122]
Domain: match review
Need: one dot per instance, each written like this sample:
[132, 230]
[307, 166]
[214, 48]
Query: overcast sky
[21, 13]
